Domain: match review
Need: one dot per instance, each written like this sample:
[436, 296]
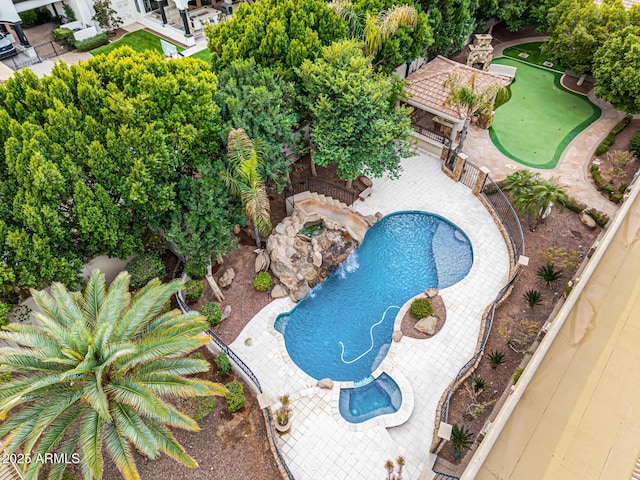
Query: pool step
[363, 382]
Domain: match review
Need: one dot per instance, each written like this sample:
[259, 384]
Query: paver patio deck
[319, 446]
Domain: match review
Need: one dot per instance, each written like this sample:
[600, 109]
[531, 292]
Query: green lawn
[536, 57]
[203, 55]
[140, 40]
[542, 117]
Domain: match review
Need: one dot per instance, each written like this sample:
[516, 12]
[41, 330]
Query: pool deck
[571, 171]
[320, 444]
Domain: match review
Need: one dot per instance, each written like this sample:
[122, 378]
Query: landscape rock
[279, 291]
[227, 277]
[397, 335]
[427, 325]
[226, 311]
[236, 229]
[317, 259]
[262, 261]
[431, 292]
[587, 220]
[300, 292]
[325, 383]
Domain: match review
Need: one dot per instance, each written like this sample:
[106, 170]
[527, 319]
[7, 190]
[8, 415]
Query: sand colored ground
[579, 416]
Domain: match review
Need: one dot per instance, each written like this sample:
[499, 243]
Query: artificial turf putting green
[536, 57]
[140, 40]
[541, 119]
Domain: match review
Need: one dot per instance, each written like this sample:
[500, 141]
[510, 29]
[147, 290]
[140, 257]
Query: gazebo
[436, 126]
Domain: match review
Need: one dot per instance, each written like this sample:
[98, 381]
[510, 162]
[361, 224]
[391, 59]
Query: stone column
[482, 177]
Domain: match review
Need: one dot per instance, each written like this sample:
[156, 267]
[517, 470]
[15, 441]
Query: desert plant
[212, 312]
[460, 439]
[548, 275]
[519, 334]
[235, 396]
[620, 160]
[283, 413]
[193, 290]
[144, 268]
[262, 281]
[532, 297]
[420, 308]
[496, 358]
[392, 472]
[517, 374]
[634, 145]
[223, 363]
[562, 258]
[477, 383]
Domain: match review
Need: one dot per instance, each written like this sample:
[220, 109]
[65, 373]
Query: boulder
[262, 261]
[427, 325]
[281, 229]
[587, 220]
[227, 277]
[325, 383]
[236, 229]
[317, 259]
[299, 292]
[279, 291]
[431, 292]
[226, 311]
[291, 232]
[397, 336]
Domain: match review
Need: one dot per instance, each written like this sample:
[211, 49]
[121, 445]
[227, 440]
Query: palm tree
[375, 30]
[467, 96]
[244, 180]
[95, 376]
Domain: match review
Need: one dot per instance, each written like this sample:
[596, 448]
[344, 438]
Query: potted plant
[283, 415]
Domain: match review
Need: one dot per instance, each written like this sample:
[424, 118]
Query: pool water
[342, 329]
[379, 397]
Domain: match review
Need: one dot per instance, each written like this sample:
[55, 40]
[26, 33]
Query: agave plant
[477, 383]
[548, 275]
[97, 375]
[496, 358]
[460, 439]
[532, 297]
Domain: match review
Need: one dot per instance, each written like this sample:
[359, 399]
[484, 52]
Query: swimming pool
[378, 397]
[342, 329]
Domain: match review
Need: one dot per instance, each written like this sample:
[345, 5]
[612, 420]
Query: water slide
[575, 414]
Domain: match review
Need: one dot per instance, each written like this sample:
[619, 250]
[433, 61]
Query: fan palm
[244, 181]
[94, 375]
[375, 29]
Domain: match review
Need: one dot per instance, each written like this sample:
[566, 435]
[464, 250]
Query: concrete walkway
[571, 170]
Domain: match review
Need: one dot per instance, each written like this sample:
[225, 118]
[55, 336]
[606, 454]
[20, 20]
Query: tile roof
[426, 84]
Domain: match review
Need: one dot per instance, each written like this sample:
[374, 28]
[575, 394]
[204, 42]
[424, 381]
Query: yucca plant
[460, 439]
[477, 383]
[496, 358]
[532, 297]
[97, 375]
[548, 275]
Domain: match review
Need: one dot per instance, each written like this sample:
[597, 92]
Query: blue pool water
[379, 397]
[342, 329]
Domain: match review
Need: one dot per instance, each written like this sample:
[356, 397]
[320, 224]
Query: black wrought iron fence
[177, 272]
[469, 174]
[320, 187]
[42, 52]
[501, 205]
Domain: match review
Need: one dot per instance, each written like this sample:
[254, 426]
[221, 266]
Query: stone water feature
[301, 258]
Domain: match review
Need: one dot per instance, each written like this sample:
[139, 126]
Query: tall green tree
[279, 34]
[257, 100]
[97, 374]
[617, 70]
[244, 181]
[579, 27]
[355, 121]
[451, 21]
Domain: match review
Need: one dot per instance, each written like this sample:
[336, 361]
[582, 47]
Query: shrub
[576, 206]
[548, 275]
[143, 268]
[460, 438]
[195, 269]
[202, 406]
[212, 312]
[421, 308]
[516, 375]
[532, 297]
[602, 148]
[634, 146]
[620, 160]
[193, 290]
[562, 258]
[222, 360]
[234, 396]
[152, 242]
[496, 358]
[92, 42]
[69, 13]
[478, 384]
[608, 141]
[4, 314]
[262, 282]
[29, 18]
[63, 36]
[600, 218]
